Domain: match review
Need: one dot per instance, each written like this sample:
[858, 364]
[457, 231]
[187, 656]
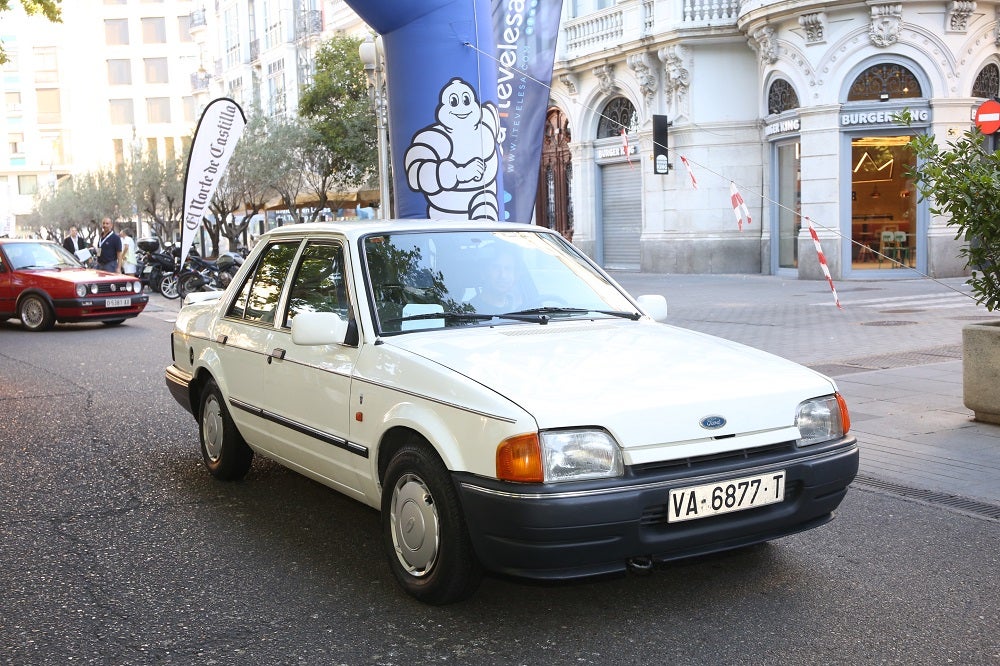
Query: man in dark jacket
[74, 242]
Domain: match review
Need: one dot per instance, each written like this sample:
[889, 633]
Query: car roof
[354, 230]
[5, 241]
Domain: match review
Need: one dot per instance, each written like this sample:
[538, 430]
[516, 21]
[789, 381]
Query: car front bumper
[95, 308]
[564, 531]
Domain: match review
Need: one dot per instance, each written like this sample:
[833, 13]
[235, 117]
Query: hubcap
[211, 429]
[416, 526]
[32, 313]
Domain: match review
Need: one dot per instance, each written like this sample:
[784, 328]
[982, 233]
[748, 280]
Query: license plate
[727, 496]
[118, 302]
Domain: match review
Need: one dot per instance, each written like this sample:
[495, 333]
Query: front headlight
[822, 419]
[81, 290]
[559, 455]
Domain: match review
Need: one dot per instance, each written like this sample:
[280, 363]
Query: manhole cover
[888, 322]
[976, 317]
[900, 311]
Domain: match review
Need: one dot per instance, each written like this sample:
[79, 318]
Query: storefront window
[789, 205]
[883, 203]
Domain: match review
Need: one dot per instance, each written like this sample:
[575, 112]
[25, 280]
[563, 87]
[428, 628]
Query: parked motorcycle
[159, 268]
[205, 275]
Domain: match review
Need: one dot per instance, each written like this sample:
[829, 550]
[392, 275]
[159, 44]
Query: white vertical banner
[218, 132]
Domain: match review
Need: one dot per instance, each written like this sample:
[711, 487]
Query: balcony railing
[200, 80]
[629, 21]
[308, 22]
[198, 19]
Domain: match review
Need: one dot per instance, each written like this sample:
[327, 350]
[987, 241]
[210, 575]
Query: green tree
[157, 188]
[337, 106]
[962, 181]
[50, 9]
[246, 186]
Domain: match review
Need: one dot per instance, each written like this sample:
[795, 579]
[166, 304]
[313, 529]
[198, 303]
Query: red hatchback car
[42, 283]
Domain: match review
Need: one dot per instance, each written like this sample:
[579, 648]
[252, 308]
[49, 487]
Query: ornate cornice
[958, 15]
[766, 45]
[645, 75]
[606, 76]
[814, 24]
[886, 21]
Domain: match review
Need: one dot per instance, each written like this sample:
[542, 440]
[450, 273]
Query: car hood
[643, 381]
[77, 275]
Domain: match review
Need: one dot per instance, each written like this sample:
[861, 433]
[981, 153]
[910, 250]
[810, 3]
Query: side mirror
[654, 306]
[318, 328]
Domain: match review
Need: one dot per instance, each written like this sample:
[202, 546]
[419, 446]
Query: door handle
[277, 353]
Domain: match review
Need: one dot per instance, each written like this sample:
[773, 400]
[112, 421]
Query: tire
[188, 283]
[168, 286]
[113, 322]
[35, 313]
[423, 530]
[226, 454]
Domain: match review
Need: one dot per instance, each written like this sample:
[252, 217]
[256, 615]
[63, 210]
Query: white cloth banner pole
[218, 132]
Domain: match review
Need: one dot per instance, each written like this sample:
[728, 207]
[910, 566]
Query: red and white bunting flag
[694, 183]
[822, 262]
[628, 155]
[739, 206]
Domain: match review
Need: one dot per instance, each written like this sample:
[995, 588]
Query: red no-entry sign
[988, 117]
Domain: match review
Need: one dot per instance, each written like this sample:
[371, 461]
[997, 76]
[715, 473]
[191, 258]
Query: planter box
[981, 370]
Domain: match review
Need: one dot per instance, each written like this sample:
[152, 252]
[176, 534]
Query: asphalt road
[117, 547]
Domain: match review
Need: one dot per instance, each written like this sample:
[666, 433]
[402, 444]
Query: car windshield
[39, 255]
[435, 279]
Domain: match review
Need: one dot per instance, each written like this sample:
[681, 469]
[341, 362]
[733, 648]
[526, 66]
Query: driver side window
[320, 283]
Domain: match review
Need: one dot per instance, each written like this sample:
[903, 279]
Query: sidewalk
[895, 353]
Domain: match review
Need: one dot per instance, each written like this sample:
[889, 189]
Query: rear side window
[258, 297]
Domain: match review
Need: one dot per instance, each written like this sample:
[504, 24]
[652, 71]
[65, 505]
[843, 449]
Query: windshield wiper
[471, 316]
[548, 310]
[534, 317]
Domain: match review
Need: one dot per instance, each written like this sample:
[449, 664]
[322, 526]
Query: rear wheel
[423, 529]
[226, 454]
[188, 283]
[35, 313]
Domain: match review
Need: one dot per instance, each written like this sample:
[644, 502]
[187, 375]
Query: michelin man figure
[454, 162]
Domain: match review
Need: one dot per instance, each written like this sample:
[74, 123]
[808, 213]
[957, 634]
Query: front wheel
[168, 286]
[35, 313]
[226, 454]
[423, 530]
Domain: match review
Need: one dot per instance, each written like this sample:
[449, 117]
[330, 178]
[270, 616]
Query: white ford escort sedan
[504, 403]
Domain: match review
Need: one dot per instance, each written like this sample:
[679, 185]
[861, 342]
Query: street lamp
[371, 55]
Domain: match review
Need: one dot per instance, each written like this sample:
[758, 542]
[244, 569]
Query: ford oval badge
[712, 422]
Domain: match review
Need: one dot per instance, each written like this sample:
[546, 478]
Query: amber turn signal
[845, 416]
[519, 458]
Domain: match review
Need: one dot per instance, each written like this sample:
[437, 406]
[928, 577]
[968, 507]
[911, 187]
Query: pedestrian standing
[109, 249]
[74, 241]
[129, 249]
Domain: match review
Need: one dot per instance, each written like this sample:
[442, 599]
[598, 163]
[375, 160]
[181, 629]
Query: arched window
[781, 97]
[617, 113]
[884, 81]
[987, 84]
